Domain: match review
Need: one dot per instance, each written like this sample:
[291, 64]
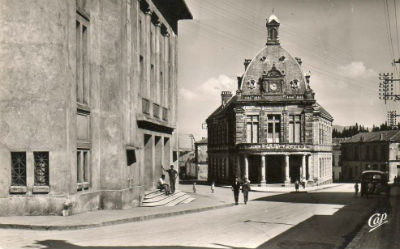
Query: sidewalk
[205, 200]
[278, 188]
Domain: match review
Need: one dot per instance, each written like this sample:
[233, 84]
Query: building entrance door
[274, 169]
[295, 168]
[254, 168]
[148, 161]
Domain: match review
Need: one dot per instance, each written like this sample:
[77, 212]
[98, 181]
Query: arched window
[273, 34]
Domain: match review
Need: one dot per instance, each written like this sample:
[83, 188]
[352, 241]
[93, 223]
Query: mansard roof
[273, 58]
[376, 136]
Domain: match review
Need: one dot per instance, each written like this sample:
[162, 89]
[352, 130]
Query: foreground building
[88, 101]
[273, 130]
[378, 150]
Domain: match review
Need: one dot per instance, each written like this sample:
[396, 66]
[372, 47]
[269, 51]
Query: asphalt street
[322, 219]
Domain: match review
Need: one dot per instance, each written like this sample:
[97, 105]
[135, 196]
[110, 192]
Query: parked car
[374, 182]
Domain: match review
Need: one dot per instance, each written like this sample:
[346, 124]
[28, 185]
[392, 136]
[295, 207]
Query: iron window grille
[18, 168]
[41, 168]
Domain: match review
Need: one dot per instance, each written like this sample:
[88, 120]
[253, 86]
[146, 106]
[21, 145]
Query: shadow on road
[62, 244]
[325, 231]
[321, 198]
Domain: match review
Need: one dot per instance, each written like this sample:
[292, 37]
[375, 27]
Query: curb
[112, 222]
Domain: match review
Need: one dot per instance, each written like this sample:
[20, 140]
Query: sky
[344, 43]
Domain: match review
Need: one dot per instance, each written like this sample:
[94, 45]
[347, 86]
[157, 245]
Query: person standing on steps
[246, 189]
[236, 189]
[172, 177]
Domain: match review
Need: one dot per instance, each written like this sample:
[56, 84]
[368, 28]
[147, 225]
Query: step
[190, 199]
[152, 195]
[151, 192]
[177, 200]
[160, 197]
[164, 201]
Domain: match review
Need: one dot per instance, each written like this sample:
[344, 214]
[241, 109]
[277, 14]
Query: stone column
[238, 166]
[263, 166]
[246, 166]
[287, 177]
[310, 168]
[303, 166]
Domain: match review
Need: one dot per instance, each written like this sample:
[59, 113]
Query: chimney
[225, 96]
[239, 81]
[246, 63]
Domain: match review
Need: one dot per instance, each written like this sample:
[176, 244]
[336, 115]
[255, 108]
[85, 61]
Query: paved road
[385, 236]
[322, 219]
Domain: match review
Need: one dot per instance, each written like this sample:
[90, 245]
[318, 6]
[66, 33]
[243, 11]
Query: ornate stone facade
[272, 130]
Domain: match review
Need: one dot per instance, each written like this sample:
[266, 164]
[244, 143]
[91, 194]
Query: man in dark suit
[236, 189]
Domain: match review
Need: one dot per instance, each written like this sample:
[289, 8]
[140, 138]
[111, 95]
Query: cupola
[273, 30]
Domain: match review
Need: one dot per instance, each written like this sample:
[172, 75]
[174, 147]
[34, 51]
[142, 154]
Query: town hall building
[273, 130]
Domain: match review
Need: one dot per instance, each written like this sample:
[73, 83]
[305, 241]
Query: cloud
[356, 69]
[187, 94]
[211, 88]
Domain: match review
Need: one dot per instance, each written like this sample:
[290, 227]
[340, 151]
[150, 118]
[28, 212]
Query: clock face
[273, 86]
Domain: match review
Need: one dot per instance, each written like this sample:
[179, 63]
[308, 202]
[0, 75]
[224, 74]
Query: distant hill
[339, 128]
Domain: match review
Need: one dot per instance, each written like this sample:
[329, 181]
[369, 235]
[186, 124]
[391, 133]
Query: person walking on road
[235, 189]
[172, 177]
[356, 188]
[246, 189]
[212, 187]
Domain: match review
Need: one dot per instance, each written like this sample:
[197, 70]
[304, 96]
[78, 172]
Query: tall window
[41, 168]
[82, 173]
[274, 128]
[82, 59]
[18, 168]
[294, 128]
[252, 129]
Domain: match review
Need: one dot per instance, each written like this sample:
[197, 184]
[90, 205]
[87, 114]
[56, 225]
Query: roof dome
[273, 70]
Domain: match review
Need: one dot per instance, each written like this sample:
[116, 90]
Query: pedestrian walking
[296, 185]
[356, 188]
[212, 187]
[194, 187]
[235, 189]
[246, 189]
[172, 177]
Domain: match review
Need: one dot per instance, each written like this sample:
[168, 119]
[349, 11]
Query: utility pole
[391, 119]
[386, 87]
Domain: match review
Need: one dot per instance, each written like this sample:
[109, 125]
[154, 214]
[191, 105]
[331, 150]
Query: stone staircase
[156, 198]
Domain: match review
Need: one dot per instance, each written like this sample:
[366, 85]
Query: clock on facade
[273, 87]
